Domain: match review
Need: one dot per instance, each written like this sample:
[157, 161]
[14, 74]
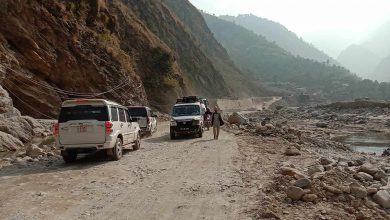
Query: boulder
[332, 189]
[237, 119]
[322, 124]
[295, 193]
[382, 198]
[309, 197]
[6, 105]
[380, 175]
[289, 171]
[292, 151]
[9, 142]
[358, 191]
[368, 168]
[371, 190]
[364, 176]
[386, 153]
[34, 151]
[315, 169]
[303, 183]
[326, 161]
[19, 161]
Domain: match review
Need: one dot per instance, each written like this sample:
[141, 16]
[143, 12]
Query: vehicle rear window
[186, 110]
[122, 116]
[114, 114]
[83, 112]
[138, 112]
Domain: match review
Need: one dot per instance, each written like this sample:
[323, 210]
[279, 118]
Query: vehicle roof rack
[189, 99]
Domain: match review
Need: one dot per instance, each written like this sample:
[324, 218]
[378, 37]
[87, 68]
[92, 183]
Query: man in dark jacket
[216, 122]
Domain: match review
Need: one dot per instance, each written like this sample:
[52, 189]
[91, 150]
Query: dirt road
[181, 179]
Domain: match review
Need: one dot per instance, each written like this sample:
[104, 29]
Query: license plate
[82, 129]
[184, 129]
[184, 122]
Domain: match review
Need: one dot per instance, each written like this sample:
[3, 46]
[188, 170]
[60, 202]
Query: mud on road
[181, 179]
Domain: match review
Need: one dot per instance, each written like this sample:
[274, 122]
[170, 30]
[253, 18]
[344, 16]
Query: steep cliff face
[198, 68]
[55, 50]
[240, 82]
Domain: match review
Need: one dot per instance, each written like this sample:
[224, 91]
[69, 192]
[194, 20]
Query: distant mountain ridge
[286, 39]
[272, 64]
[359, 60]
[368, 59]
[382, 70]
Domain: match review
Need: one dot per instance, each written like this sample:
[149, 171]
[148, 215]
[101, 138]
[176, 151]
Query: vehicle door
[116, 124]
[83, 124]
[133, 127]
[124, 126]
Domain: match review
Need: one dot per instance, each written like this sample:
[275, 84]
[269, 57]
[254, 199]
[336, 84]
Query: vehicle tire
[69, 156]
[150, 133]
[137, 143]
[117, 151]
[173, 136]
[200, 132]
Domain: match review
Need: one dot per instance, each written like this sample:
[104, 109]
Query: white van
[187, 119]
[146, 118]
[89, 125]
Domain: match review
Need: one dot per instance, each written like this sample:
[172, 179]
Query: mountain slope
[273, 64]
[240, 82]
[382, 71]
[55, 50]
[359, 60]
[275, 32]
[379, 41]
[198, 68]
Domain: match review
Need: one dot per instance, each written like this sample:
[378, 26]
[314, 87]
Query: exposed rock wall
[54, 50]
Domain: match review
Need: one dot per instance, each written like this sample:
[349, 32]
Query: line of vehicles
[90, 125]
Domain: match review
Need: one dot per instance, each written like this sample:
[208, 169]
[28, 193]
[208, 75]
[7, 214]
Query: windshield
[83, 112]
[137, 112]
[186, 110]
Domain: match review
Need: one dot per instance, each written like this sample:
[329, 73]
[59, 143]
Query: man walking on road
[217, 122]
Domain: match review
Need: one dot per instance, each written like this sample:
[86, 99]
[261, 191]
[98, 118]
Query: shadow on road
[57, 165]
[167, 138]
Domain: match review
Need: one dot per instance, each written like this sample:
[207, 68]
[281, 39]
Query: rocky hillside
[124, 50]
[286, 39]
[238, 80]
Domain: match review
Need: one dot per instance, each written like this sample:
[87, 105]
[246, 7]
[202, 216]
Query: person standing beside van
[216, 122]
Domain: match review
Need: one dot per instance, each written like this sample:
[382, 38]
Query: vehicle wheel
[69, 156]
[137, 143]
[200, 132]
[150, 133]
[173, 136]
[117, 151]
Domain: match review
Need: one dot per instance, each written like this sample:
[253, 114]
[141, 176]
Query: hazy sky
[319, 22]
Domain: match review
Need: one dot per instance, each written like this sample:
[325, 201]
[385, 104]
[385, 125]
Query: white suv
[89, 125]
[146, 118]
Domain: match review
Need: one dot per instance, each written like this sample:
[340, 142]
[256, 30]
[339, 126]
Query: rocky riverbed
[296, 166]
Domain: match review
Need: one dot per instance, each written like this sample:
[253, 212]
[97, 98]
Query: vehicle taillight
[147, 120]
[109, 129]
[56, 129]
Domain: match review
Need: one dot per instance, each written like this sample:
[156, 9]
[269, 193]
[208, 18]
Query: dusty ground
[236, 177]
[182, 179]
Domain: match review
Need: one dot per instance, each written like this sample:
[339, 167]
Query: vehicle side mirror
[154, 116]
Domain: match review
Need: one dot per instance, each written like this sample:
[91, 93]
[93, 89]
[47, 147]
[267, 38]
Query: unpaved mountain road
[182, 179]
